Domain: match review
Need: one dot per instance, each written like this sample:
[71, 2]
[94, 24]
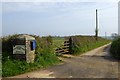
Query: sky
[58, 18]
[119, 18]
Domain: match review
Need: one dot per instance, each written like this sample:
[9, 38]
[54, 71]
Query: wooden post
[70, 45]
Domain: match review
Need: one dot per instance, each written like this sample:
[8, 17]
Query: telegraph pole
[96, 30]
[106, 35]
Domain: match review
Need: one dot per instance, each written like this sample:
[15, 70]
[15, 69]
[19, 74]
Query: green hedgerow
[44, 56]
[115, 48]
[82, 44]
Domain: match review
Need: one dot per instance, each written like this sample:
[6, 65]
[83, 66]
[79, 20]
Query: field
[58, 42]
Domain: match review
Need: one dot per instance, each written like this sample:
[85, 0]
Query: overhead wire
[107, 8]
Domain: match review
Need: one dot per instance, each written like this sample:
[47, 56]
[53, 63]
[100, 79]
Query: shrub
[44, 56]
[7, 46]
[115, 48]
[11, 67]
[82, 44]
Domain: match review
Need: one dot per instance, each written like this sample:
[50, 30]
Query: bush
[11, 67]
[115, 48]
[82, 44]
[7, 46]
[44, 56]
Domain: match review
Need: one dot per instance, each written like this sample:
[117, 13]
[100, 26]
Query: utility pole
[106, 35]
[96, 30]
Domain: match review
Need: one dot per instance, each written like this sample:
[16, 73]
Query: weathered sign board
[19, 49]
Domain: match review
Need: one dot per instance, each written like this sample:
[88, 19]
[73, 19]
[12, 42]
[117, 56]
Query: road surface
[96, 63]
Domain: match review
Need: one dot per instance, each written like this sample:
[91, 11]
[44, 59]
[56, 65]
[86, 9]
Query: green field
[58, 42]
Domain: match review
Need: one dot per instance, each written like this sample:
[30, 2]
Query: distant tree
[49, 40]
[114, 35]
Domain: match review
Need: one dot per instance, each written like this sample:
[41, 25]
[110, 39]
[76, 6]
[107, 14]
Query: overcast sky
[60, 18]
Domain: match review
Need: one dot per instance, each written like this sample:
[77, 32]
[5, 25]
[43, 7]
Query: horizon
[55, 35]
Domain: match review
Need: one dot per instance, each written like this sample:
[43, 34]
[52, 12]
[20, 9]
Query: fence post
[70, 45]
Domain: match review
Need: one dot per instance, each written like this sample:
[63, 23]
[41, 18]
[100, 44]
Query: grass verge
[115, 49]
[82, 44]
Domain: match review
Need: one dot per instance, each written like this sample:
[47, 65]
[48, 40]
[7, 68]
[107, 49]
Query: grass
[82, 44]
[58, 41]
[115, 48]
[15, 67]
[44, 57]
[44, 52]
[0, 66]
